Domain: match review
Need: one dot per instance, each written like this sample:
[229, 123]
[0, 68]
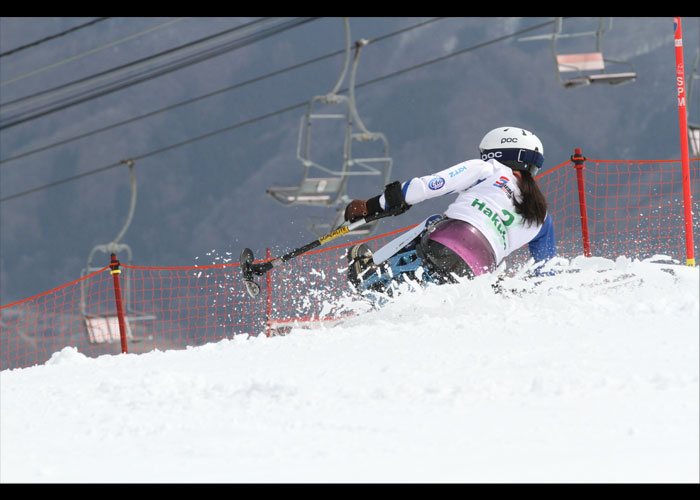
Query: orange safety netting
[633, 209]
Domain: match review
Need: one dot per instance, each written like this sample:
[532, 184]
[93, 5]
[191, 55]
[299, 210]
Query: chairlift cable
[9, 105]
[271, 114]
[210, 94]
[92, 51]
[51, 37]
[154, 73]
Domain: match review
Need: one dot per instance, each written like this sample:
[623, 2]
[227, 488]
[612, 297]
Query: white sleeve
[456, 178]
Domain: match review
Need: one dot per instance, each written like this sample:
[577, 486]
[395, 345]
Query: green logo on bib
[500, 222]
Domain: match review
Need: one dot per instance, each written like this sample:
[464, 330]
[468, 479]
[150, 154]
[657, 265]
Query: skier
[499, 208]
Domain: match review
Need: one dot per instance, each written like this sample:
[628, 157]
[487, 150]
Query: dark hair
[533, 207]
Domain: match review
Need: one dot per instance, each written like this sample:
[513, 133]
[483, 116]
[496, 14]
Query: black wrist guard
[373, 206]
[393, 196]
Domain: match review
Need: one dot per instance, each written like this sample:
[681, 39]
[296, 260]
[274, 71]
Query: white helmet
[516, 148]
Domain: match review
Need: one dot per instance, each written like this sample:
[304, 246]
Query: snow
[590, 376]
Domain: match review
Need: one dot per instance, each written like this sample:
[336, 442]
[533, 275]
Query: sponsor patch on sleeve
[436, 183]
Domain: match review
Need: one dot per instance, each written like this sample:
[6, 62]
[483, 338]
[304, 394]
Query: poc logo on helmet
[491, 155]
[509, 139]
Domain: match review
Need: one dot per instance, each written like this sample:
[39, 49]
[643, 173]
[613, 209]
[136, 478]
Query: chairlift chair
[330, 189]
[312, 190]
[694, 139]
[590, 67]
[103, 327]
[694, 128]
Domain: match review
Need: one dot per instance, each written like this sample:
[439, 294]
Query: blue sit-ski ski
[398, 259]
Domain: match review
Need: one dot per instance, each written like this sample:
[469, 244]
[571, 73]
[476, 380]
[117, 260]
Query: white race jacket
[485, 193]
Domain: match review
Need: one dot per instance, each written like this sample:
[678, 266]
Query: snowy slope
[583, 378]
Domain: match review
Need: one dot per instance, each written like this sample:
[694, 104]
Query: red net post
[580, 164]
[268, 307]
[683, 125]
[115, 271]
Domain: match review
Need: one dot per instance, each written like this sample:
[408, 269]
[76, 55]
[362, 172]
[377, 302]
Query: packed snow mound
[589, 375]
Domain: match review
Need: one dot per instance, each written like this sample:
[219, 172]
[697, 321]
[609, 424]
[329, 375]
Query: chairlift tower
[324, 185]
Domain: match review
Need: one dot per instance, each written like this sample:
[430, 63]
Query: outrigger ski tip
[250, 269]
[247, 267]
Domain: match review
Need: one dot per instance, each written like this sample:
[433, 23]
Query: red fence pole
[579, 165]
[268, 281]
[115, 271]
[683, 124]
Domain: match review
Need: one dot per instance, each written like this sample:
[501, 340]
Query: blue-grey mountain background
[202, 201]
